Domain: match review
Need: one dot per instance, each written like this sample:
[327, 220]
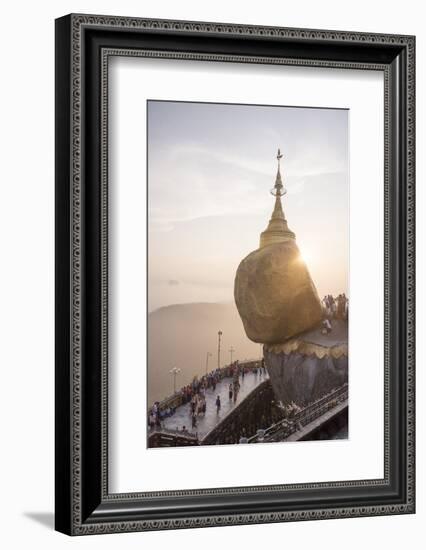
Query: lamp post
[219, 336]
[231, 351]
[207, 361]
[175, 371]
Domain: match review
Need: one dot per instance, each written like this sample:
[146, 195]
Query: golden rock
[275, 295]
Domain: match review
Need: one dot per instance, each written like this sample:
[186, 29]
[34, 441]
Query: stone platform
[207, 422]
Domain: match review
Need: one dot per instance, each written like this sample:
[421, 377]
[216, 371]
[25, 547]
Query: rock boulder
[275, 295]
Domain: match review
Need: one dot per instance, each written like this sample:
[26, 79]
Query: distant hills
[181, 335]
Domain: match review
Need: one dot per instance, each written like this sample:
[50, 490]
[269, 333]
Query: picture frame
[83, 503]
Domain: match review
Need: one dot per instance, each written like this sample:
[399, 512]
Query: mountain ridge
[180, 335]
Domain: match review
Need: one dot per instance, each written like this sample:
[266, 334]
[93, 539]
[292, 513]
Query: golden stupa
[274, 293]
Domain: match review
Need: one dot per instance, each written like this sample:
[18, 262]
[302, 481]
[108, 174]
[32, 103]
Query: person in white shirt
[326, 326]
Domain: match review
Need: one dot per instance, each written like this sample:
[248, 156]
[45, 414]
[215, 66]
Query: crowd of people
[334, 308]
[194, 394]
[157, 415]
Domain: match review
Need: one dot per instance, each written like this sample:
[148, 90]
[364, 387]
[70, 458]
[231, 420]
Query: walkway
[318, 422]
[206, 423]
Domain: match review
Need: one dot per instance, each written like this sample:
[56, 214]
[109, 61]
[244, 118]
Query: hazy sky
[210, 171]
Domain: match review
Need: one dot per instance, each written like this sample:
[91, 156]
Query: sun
[305, 256]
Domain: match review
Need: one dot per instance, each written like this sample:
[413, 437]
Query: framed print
[234, 274]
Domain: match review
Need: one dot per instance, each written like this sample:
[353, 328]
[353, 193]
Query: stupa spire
[277, 230]
[278, 189]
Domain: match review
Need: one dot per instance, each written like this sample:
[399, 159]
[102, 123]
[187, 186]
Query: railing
[171, 431]
[319, 407]
[171, 438]
[288, 426]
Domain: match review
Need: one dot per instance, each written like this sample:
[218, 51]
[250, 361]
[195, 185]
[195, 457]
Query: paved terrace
[182, 416]
[338, 334]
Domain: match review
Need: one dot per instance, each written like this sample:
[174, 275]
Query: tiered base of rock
[305, 368]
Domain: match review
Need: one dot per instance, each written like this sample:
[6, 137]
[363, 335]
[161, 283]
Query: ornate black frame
[83, 45]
